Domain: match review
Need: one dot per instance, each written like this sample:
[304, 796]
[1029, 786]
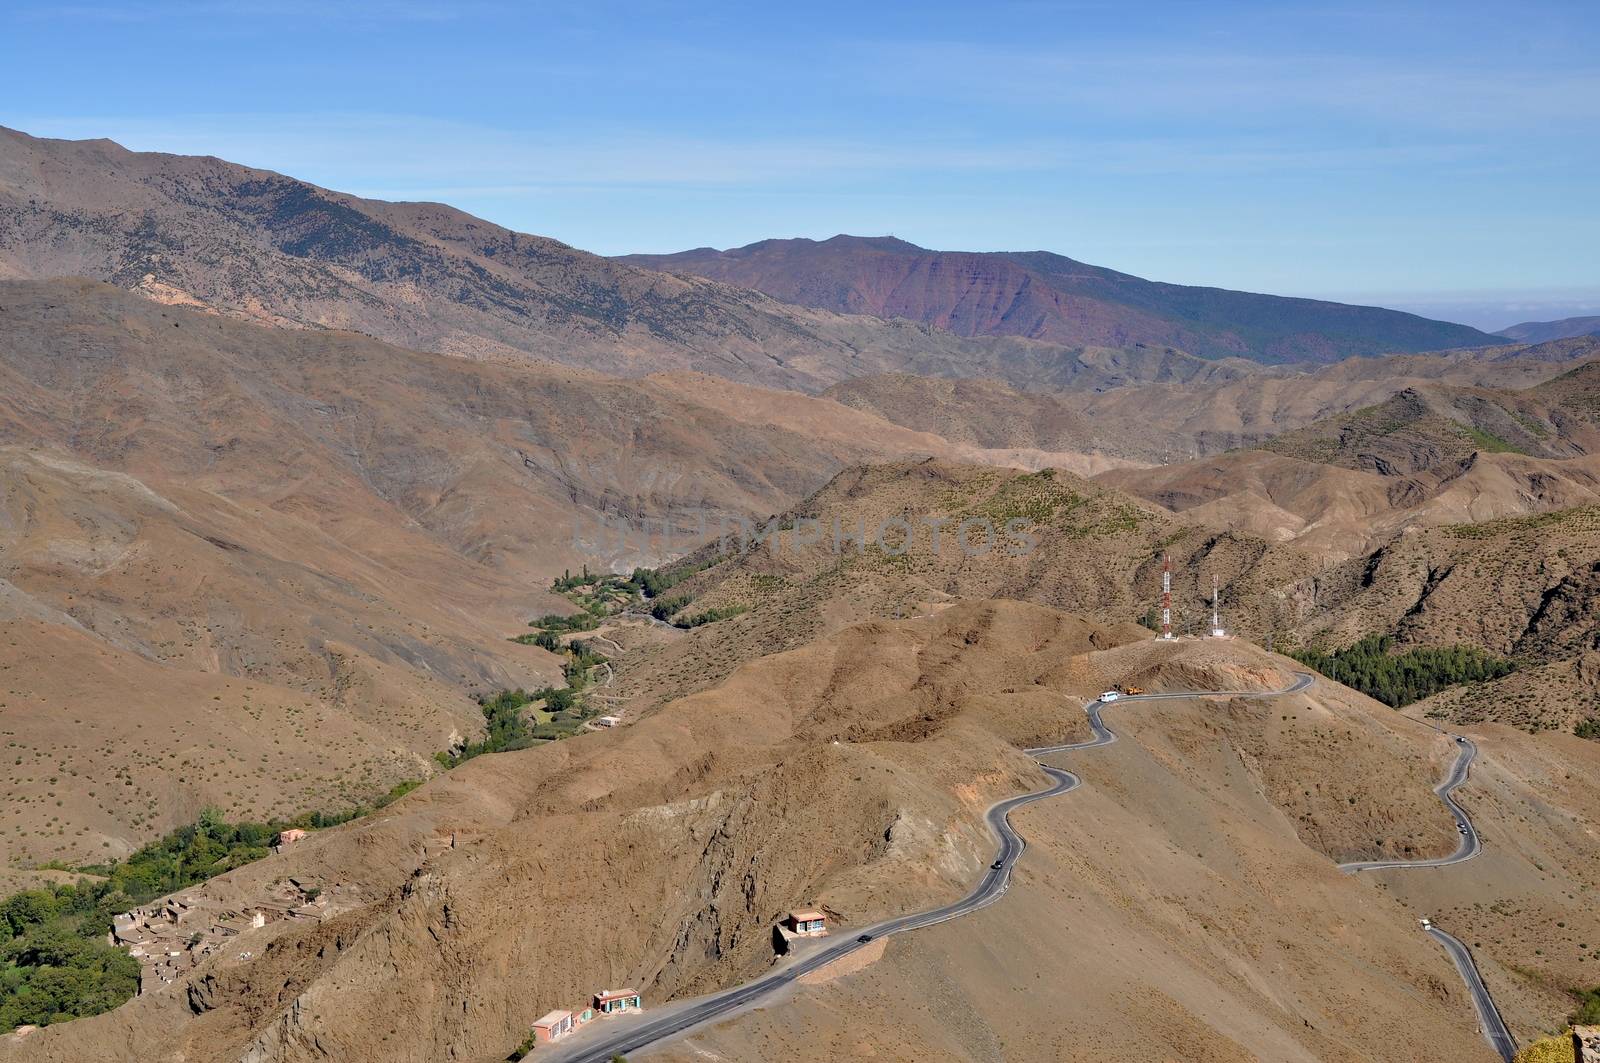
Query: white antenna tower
[1216, 617]
[1166, 596]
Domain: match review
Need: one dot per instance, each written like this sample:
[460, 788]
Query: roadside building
[808, 923]
[616, 1001]
[553, 1027]
[608, 721]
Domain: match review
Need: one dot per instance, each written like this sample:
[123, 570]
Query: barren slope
[1097, 551]
[352, 528]
[1218, 414]
[1168, 909]
[1427, 455]
[852, 773]
[254, 244]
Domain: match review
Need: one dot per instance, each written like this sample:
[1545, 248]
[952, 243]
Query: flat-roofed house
[807, 923]
[616, 1001]
[552, 1027]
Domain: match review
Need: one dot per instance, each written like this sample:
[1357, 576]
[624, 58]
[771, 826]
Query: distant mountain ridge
[1045, 296]
[1541, 331]
[254, 244]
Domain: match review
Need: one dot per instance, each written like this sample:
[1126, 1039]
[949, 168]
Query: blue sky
[1441, 157]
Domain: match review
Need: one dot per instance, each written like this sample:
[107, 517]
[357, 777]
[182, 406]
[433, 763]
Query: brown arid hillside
[993, 415]
[1557, 695]
[310, 547]
[164, 648]
[1522, 588]
[1527, 588]
[1426, 456]
[1170, 408]
[498, 463]
[1140, 928]
[1096, 551]
[260, 246]
[1207, 417]
[1191, 880]
[1428, 430]
[1049, 297]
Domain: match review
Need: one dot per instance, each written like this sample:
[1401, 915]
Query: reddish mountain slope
[1048, 297]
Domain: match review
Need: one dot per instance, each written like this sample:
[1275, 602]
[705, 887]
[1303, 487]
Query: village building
[288, 837]
[552, 1027]
[608, 721]
[808, 923]
[616, 1001]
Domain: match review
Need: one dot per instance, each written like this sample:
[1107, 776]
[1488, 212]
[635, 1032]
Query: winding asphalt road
[1490, 1022]
[1494, 1027]
[991, 888]
[1470, 845]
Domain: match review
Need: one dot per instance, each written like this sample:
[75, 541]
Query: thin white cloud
[408, 157]
[1225, 87]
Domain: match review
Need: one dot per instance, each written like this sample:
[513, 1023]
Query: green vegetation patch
[1488, 442]
[1036, 498]
[1399, 679]
[1588, 1012]
[57, 966]
[711, 616]
[506, 727]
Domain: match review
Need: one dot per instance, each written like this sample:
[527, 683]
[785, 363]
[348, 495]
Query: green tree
[27, 909]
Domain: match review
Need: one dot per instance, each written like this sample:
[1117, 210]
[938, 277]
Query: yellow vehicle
[1133, 692]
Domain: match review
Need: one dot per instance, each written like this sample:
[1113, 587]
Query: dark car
[864, 938]
[997, 865]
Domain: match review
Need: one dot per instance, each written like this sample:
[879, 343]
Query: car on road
[1462, 827]
[863, 939]
[1111, 695]
[997, 865]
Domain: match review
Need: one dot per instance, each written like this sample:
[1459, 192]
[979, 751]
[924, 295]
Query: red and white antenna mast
[1166, 596]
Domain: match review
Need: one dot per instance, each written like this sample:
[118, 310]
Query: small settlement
[558, 1024]
[170, 936]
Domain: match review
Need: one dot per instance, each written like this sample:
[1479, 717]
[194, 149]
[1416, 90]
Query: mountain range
[288, 477]
[1539, 331]
[1045, 296]
[265, 247]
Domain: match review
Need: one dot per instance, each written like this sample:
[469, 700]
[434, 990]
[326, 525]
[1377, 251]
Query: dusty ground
[1182, 885]
[1170, 910]
[267, 569]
